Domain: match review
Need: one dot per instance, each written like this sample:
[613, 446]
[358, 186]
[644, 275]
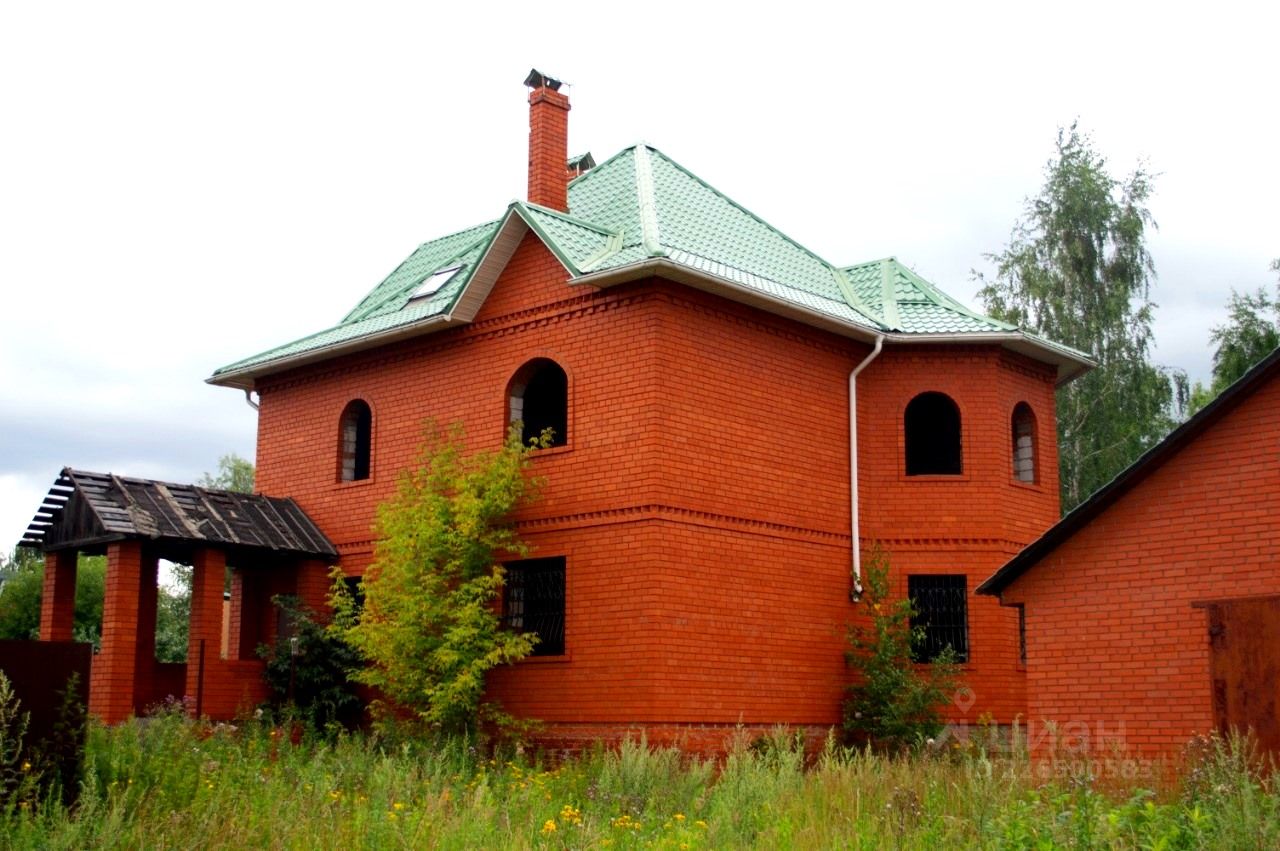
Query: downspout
[855, 539]
[248, 398]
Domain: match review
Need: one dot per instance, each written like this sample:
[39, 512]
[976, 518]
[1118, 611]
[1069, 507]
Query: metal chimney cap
[539, 80]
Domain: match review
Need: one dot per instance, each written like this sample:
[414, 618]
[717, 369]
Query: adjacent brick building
[1152, 611]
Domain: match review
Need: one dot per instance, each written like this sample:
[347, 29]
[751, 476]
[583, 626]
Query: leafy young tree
[892, 701]
[429, 627]
[1077, 271]
[1251, 332]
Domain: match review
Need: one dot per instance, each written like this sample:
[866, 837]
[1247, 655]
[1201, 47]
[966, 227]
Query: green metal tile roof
[639, 206]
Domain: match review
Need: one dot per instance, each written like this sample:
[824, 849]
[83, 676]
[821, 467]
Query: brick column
[207, 572]
[111, 690]
[58, 602]
[145, 656]
[237, 645]
[313, 588]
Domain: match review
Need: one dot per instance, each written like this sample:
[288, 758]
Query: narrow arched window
[538, 398]
[1024, 443]
[932, 425]
[355, 441]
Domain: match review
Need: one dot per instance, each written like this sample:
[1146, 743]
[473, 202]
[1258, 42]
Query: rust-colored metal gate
[1244, 666]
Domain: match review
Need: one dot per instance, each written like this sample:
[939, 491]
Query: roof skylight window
[432, 283]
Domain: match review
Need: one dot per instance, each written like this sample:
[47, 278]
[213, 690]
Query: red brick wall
[702, 499]
[1116, 653]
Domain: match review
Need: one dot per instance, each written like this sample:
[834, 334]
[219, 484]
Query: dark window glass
[539, 399]
[1022, 634]
[932, 424]
[940, 606]
[355, 442]
[533, 601]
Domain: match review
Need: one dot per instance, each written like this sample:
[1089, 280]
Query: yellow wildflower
[549, 826]
[700, 824]
[26, 765]
[678, 816]
[397, 806]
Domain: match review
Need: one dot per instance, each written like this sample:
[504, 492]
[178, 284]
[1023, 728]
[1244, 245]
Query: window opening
[533, 601]
[355, 442]
[940, 608]
[539, 399]
[1022, 633]
[932, 426]
[1024, 443]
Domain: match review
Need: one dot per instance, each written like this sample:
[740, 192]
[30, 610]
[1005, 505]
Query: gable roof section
[1129, 478]
[640, 213]
[86, 510]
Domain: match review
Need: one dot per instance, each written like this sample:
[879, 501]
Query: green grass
[167, 782]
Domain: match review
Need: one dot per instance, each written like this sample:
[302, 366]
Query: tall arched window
[538, 398]
[932, 426]
[1024, 443]
[355, 441]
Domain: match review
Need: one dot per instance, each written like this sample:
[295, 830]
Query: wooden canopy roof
[86, 511]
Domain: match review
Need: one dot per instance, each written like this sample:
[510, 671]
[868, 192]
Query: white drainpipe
[853, 467]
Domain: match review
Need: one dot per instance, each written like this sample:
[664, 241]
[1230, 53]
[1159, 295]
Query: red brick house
[1152, 611]
[736, 420]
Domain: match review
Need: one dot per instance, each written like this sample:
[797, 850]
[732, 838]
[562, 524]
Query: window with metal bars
[533, 601]
[940, 605]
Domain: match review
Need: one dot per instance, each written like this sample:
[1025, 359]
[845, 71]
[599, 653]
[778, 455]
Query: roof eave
[716, 285]
[1069, 364]
[245, 378]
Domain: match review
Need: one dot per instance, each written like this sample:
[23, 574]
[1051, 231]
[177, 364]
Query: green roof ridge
[650, 236]
[888, 300]
[851, 296]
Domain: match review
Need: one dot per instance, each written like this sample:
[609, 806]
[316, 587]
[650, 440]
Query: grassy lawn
[167, 782]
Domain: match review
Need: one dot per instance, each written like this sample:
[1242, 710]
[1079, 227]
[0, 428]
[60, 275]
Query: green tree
[1250, 333]
[429, 626]
[234, 474]
[1077, 271]
[22, 588]
[893, 702]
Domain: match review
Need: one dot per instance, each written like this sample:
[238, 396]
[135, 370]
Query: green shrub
[313, 675]
[893, 702]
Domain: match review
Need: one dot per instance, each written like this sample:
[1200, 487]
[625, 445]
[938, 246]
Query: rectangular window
[533, 601]
[941, 610]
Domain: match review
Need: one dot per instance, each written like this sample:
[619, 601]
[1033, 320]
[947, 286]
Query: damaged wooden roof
[87, 510]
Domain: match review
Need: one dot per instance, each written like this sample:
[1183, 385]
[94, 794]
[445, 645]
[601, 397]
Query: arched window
[355, 441]
[1024, 443]
[539, 399]
[932, 425]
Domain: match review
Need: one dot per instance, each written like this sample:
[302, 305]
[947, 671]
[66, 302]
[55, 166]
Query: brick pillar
[207, 574]
[58, 602]
[144, 670]
[313, 588]
[111, 690]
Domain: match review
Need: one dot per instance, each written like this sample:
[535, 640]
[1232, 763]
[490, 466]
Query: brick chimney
[548, 142]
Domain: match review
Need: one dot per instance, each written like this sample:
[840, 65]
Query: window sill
[1028, 486]
[551, 451]
[358, 483]
[935, 477]
[546, 660]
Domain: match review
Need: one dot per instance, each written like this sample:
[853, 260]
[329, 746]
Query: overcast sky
[183, 185]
